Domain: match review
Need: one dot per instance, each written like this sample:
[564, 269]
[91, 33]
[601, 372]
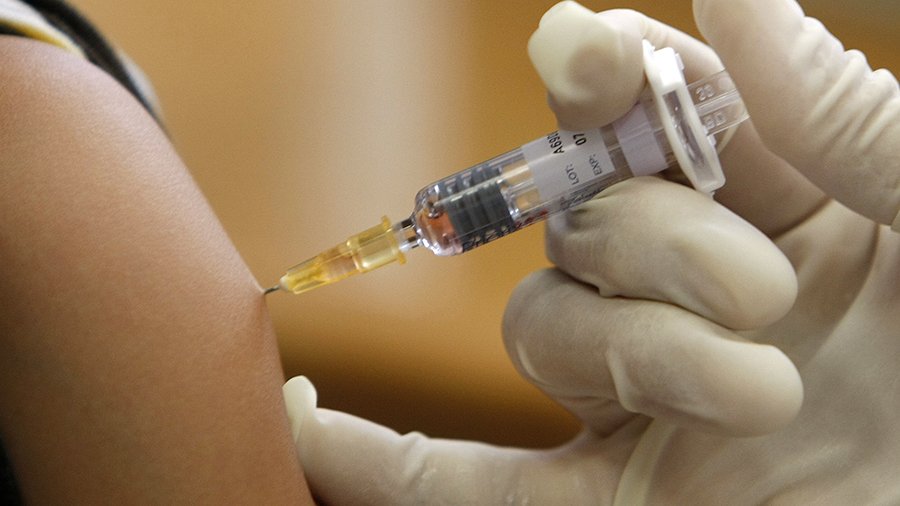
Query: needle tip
[273, 289]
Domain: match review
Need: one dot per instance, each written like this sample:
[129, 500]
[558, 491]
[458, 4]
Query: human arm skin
[137, 360]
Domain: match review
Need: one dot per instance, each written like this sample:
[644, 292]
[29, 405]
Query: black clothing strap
[97, 50]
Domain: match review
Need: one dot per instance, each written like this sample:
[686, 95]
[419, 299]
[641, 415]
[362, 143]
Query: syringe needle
[273, 289]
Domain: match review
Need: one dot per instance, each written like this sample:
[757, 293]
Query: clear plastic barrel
[526, 185]
[672, 123]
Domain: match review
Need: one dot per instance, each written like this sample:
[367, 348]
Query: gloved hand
[661, 327]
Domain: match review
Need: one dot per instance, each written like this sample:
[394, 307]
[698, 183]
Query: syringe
[672, 122]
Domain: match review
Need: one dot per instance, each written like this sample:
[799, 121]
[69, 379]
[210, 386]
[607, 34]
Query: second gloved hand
[818, 172]
[670, 327]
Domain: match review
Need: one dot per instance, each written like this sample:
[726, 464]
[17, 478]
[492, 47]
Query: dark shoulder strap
[95, 47]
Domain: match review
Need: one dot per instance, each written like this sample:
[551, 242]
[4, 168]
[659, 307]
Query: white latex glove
[659, 330]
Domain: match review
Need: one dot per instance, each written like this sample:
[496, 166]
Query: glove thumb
[348, 460]
[573, 49]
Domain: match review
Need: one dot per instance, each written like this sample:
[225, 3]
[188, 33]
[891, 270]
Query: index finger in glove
[651, 239]
[819, 107]
[632, 321]
[606, 359]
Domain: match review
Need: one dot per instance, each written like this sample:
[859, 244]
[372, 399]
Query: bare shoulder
[73, 139]
[45, 87]
[124, 308]
[43, 65]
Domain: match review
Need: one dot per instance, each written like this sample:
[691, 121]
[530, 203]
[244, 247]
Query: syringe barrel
[363, 252]
[528, 184]
[672, 123]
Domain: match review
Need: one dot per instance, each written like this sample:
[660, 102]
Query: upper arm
[137, 361]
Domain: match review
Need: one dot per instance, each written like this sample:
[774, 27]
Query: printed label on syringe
[563, 161]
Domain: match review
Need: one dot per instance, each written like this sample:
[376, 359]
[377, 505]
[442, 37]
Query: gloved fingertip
[559, 9]
[709, 380]
[300, 399]
[719, 19]
[753, 390]
[770, 398]
[590, 63]
[751, 293]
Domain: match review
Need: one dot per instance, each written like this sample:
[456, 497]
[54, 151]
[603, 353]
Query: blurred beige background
[304, 122]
